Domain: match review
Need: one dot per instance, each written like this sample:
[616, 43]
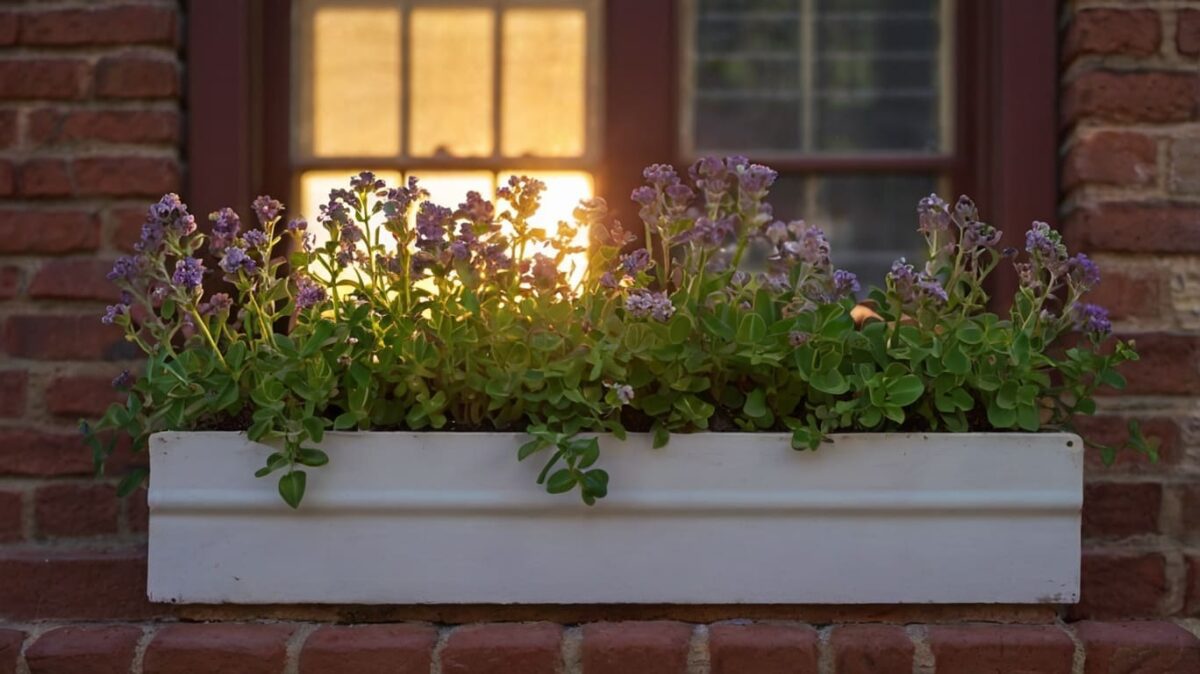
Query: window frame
[1006, 131]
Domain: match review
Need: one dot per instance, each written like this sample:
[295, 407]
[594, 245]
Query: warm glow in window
[460, 95]
[451, 82]
[545, 53]
[343, 39]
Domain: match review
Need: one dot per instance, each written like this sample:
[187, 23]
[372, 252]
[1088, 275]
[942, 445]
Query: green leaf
[561, 481]
[752, 329]
[956, 361]
[274, 462]
[1001, 417]
[905, 390]
[679, 330]
[970, 333]
[831, 382]
[661, 437]
[1006, 397]
[131, 482]
[313, 458]
[1027, 418]
[530, 448]
[756, 404]
[315, 427]
[291, 487]
[345, 420]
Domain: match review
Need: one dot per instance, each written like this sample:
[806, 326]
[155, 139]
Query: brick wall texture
[91, 119]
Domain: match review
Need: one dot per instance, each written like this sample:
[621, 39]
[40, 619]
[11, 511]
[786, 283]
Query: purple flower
[477, 209]
[218, 303]
[236, 260]
[797, 338]
[126, 268]
[1084, 272]
[1091, 318]
[267, 209]
[255, 238]
[545, 272]
[111, 312]
[189, 273]
[756, 179]
[624, 393]
[845, 283]
[976, 234]
[644, 195]
[636, 262]
[680, 194]
[297, 225]
[431, 220]
[609, 281]
[912, 287]
[642, 303]
[660, 175]
[225, 227]
[123, 381]
[308, 294]
[349, 235]
[171, 212]
[460, 250]
[152, 237]
[366, 181]
[933, 215]
[1045, 246]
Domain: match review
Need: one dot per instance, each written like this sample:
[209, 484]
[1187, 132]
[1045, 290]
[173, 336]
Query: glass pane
[866, 235]
[355, 81]
[564, 190]
[449, 188]
[809, 76]
[543, 82]
[451, 87]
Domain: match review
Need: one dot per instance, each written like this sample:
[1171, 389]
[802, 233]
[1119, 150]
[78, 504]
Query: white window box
[411, 518]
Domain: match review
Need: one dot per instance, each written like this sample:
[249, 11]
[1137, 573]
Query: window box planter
[410, 518]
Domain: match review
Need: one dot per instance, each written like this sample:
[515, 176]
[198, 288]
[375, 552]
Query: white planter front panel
[410, 518]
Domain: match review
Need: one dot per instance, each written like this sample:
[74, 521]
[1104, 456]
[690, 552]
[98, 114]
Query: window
[462, 94]
[852, 100]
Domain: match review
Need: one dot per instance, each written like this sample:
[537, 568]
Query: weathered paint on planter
[404, 518]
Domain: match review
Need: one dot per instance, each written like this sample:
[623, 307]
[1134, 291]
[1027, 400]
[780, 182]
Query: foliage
[411, 315]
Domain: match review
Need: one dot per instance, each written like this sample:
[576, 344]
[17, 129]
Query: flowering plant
[407, 314]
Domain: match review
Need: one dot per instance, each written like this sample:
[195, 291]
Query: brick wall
[1131, 196]
[90, 132]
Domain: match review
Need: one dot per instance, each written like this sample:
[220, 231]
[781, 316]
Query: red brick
[1131, 97]
[8, 179]
[53, 232]
[218, 649]
[1111, 158]
[136, 77]
[37, 453]
[61, 79]
[13, 386]
[111, 25]
[1117, 584]
[1167, 364]
[74, 279]
[658, 647]
[1193, 585]
[1187, 32]
[1189, 496]
[1144, 647]
[763, 649]
[72, 337]
[1131, 294]
[970, 649]
[11, 508]
[1110, 430]
[43, 178]
[137, 511]
[8, 28]
[81, 396]
[503, 647]
[127, 226]
[57, 127]
[1113, 31]
[1136, 228]
[8, 128]
[96, 649]
[70, 510]
[871, 649]
[54, 584]
[1121, 510]
[10, 287]
[10, 649]
[369, 649]
[127, 176]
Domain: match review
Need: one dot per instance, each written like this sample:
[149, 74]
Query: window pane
[799, 77]
[355, 81]
[449, 188]
[543, 82]
[451, 88]
[866, 234]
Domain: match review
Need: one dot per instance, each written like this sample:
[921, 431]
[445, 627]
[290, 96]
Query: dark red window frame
[1006, 145]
